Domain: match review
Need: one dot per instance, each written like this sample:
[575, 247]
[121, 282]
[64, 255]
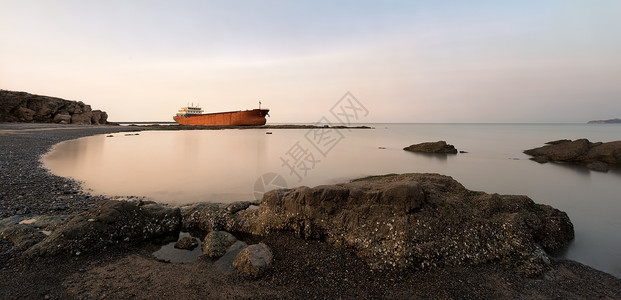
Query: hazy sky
[406, 61]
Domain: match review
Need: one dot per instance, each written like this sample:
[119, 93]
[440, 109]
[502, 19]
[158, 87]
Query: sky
[405, 61]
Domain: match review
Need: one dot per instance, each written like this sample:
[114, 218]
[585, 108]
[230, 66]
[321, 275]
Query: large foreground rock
[112, 223]
[598, 156]
[432, 147]
[25, 107]
[420, 220]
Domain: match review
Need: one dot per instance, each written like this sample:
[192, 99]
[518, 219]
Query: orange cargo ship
[193, 115]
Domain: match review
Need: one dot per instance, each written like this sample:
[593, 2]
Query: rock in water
[112, 223]
[420, 220]
[186, 243]
[596, 156]
[216, 243]
[254, 260]
[432, 147]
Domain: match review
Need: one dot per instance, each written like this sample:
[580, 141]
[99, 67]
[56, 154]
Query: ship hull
[231, 118]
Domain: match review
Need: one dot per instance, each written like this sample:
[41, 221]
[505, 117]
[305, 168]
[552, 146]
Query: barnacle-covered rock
[420, 220]
[113, 222]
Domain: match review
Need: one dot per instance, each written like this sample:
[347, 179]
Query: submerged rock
[432, 147]
[112, 223]
[187, 243]
[254, 260]
[596, 156]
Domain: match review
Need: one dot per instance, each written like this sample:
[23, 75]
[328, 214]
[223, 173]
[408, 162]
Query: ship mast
[259, 104]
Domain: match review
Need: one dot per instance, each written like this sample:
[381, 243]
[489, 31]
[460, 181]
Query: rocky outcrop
[596, 156]
[24, 231]
[112, 223]
[391, 222]
[432, 147]
[420, 220]
[398, 221]
[22, 236]
[254, 260]
[25, 107]
[233, 217]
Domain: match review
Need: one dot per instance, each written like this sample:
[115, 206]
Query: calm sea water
[232, 165]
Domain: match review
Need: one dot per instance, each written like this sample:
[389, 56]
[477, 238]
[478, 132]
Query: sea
[241, 164]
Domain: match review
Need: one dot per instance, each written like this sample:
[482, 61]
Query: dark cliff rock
[25, 107]
[597, 156]
[432, 147]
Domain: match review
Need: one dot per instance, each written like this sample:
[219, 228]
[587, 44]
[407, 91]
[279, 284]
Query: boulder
[419, 220]
[216, 243]
[225, 263]
[82, 118]
[10, 101]
[62, 118]
[99, 117]
[432, 147]
[25, 114]
[103, 118]
[186, 243]
[596, 156]
[254, 260]
[112, 223]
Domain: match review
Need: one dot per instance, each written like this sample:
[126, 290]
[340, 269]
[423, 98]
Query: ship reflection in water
[224, 165]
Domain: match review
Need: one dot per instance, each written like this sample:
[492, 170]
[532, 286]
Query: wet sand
[302, 269]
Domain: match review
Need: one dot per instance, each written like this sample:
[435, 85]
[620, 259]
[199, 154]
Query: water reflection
[224, 165]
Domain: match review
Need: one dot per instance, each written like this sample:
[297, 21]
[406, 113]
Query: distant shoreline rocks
[432, 147]
[609, 121]
[595, 156]
[25, 107]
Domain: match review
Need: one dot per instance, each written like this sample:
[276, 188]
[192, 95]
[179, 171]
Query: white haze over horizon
[406, 61]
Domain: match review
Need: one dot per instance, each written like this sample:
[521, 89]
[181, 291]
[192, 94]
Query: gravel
[27, 188]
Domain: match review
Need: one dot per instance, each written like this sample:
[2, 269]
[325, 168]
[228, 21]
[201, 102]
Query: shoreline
[302, 269]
